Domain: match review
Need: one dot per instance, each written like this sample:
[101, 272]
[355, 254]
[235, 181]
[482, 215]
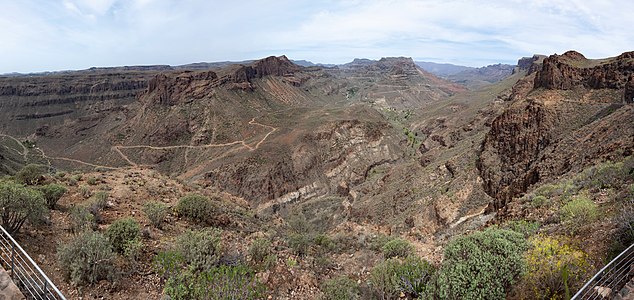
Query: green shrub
[605, 175]
[527, 228]
[132, 252]
[87, 258]
[340, 288]
[555, 269]
[397, 248]
[221, 282]
[298, 223]
[91, 181]
[121, 232]
[299, 243]
[52, 193]
[19, 204]
[31, 174]
[578, 212]
[201, 249]
[82, 219]
[85, 191]
[259, 250]
[324, 243]
[155, 212]
[482, 265]
[77, 177]
[168, 263]
[539, 201]
[377, 242]
[100, 200]
[198, 208]
[394, 276]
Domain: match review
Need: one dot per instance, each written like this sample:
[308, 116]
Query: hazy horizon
[40, 36]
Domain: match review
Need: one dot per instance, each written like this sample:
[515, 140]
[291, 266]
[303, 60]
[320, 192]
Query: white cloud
[64, 34]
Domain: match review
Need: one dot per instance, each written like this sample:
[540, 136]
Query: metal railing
[25, 273]
[610, 279]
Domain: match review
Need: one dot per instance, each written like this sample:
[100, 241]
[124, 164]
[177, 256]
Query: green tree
[19, 204]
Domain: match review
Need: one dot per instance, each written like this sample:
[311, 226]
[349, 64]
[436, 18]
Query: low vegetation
[482, 265]
[87, 258]
[340, 288]
[395, 277]
[195, 207]
[221, 282]
[123, 232]
[155, 212]
[555, 269]
[397, 248]
[19, 204]
[201, 249]
[31, 174]
[52, 193]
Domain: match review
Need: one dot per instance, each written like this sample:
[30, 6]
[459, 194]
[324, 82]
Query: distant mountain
[468, 76]
[478, 77]
[306, 63]
[359, 62]
[442, 70]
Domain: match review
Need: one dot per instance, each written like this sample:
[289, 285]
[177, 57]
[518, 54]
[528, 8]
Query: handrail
[610, 279]
[26, 274]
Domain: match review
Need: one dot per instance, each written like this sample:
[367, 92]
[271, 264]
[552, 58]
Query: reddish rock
[566, 71]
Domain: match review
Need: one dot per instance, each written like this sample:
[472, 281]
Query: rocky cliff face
[531, 64]
[572, 69]
[174, 88]
[31, 102]
[559, 124]
[512, 147]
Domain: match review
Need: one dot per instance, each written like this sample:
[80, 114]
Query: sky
[50, 35]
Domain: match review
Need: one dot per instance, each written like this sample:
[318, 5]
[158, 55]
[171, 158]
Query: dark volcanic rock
[569, 70]
[270, 66]
[531, 64]
[513, 144]
[168, 90]
[546, 133]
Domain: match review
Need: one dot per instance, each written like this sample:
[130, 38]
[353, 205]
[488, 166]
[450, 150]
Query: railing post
[13, 262]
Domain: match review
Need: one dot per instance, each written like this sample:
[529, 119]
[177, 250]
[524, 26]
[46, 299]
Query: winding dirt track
[117, 149]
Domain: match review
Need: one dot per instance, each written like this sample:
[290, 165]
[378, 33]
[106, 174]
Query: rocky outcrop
[169, 90]
[29, 102]
[512, 146]
[530, 64]
[628, 91]
[548, 131]
[334, 157]
[572, 69]
[172, 89]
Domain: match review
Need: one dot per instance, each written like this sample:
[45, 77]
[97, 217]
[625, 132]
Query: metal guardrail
[610, 279]
[26, 274]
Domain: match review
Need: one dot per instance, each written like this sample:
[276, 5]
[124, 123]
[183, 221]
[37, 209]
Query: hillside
[314, 174]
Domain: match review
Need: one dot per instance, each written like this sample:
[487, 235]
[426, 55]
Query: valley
[327, 165]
